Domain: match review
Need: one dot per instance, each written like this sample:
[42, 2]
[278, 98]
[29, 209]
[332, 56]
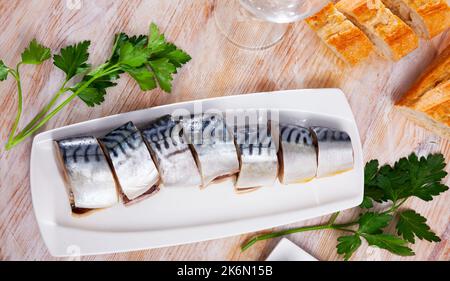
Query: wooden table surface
[218, 68]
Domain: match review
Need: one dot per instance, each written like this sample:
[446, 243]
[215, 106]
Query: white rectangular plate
[177, 216]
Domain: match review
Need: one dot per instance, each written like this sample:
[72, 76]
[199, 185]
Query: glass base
[243, 29]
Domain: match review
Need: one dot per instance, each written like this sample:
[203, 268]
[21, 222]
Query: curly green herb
[409, 177]
[150, 60]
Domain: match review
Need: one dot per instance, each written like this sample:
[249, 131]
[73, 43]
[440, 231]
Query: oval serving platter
[179, 216]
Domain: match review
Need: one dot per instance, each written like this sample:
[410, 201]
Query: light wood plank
[218, 68]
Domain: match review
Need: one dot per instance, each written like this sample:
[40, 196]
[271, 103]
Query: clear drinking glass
[259, 24]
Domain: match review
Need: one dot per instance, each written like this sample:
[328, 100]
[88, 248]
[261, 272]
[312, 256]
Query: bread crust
[441, 113]
[435, 14]
[388, 32]
[342, 36]
[427, 17]
[437, 73]
[428, 101]
[426, 121]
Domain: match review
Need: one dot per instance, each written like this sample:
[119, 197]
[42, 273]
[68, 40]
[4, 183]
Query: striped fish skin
[172, 154]
[335, 151]
[131, 161]
[258, 157]
[298, 157]
[212, 145]
[87, 171]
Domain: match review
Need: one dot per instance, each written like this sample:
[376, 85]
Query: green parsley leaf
[156, 41]
[92, 96]
[133, 56]
[410, 176]
[163, 70]
[348, 245]
[371, 193]
[95, 93]
[178, 57]
[138, 41]
[426, 192]
[370, 171]
[389, 242]
[72, 59]
[3, 71]
[412, 224]
[149, 60]
[143, 76]
[121, 39]
[160, 48]
[371, 189]
[35, 53]
[161, 58]
[386, 184]
[373, 223]
[366, 203]
[425, 176]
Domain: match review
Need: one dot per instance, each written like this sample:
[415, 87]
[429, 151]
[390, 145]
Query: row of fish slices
[138, 177]
[303, 154]
[130, 161]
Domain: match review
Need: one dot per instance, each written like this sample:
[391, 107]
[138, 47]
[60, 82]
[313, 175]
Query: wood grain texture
[218, 68]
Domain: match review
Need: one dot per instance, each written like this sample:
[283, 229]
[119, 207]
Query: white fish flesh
[297, 155]
[87, 172]
[172, 155]
[257, 156]
[134, 169]
[212, 146]
[335, 151]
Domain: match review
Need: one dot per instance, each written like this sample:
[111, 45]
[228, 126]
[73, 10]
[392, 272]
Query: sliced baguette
[428, 101]
[428, 18]
[393, 38]
[345, 39]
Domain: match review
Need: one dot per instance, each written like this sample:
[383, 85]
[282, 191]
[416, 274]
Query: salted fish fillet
[132, 163]
[335, 151]
[87, 172]
[212, 146]
[257, 156]
[172, 154]
[297, 155]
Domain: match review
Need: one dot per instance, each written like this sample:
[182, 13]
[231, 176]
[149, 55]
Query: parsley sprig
[149, 59]
[408, 177]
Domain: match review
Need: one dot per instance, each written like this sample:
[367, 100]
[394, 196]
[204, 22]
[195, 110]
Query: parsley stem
[111, 70]
[44, 111]
[9, 144]
[261, 237]
[333, 218]
[401, 203]
[346, 224]
[44, 119]
[329, 225]
[395, 206]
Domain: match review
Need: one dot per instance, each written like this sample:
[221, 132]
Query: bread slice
[393, 38]
[437, 122]
[428, 101]
[345, 39]
[428, 18]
